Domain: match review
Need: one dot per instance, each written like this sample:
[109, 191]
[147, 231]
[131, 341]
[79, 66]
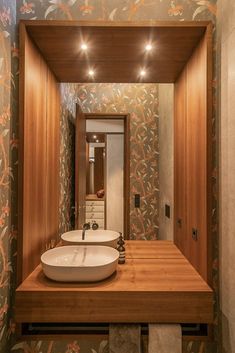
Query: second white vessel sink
[92, 237]
[79, 263]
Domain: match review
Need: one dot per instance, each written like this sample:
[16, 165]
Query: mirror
[150, 173]
[105, 173]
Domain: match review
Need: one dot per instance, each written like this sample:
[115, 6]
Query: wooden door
[99, 169]
[80, 168]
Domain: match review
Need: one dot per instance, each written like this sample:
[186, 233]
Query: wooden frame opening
[126, 120]
[186, 50]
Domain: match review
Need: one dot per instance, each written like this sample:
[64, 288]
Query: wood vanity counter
[156, 284]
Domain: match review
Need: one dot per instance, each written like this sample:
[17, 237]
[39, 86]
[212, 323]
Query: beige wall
[114, 182]
[166, 162]
[226, 21]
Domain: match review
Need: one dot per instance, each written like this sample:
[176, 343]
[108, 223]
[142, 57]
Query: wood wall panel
[156, 284]
[39, 157]
[53, 126]
[196, 156]
[192, 158]
[180, 221]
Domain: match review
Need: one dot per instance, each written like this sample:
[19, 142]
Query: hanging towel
[164, 338]
[124, 338]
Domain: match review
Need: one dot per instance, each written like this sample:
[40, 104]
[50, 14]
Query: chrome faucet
[85, 227]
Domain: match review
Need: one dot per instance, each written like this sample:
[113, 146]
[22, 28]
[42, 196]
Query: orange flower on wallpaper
[27, 7]
[73, 347]
[5, 116]
[2, 221]
[86, 9]
[175, 10]
[6, 210]
[5, 16]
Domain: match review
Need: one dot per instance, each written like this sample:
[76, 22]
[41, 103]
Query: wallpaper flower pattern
[67, 157]
[132, 10]
[141, 102]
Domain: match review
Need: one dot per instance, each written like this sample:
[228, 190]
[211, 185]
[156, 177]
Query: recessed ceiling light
[84, 46]
[94, 136]
[142, 73]
[97, 141]
[91, 73]
[148, 47]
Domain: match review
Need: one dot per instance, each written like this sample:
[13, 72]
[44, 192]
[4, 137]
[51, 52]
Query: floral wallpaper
[8, 171]
[10, 12]
[141, 102]
[67, 157]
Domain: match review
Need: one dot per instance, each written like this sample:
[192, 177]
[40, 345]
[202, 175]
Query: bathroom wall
[8, 172]
[141, 101]
[67, 10]
[67, 157]
[166, 159]
[226, 29]
[114, 182]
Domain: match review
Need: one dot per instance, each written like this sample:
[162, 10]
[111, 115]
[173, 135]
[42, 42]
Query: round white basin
[79, 263]
[92, 237]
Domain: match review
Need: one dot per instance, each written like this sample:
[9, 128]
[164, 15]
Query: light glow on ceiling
[84, 46]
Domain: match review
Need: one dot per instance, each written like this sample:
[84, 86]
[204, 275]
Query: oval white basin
[79, 263]
[92, 237]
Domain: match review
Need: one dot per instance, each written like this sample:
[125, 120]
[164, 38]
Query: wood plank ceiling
[116, 50]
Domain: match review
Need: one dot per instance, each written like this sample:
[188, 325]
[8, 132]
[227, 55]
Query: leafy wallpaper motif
[78, 10]
[67, 156]
[141, 101]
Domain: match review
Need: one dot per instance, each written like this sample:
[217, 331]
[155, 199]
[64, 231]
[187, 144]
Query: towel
[164, 338]
[124, 338]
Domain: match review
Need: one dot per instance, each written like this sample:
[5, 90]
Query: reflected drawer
[95, 208]
[94, 215]
[94, 203]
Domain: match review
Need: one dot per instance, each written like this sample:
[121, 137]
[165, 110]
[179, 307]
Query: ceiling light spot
[142, 73]
[94, 136]
[148, 47]
[91, 73]
[84, 46]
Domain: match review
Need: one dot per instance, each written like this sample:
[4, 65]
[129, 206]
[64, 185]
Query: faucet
[85, 227]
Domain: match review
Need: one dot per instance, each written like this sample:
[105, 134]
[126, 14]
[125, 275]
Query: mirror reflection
[105, 173]
[124, 185]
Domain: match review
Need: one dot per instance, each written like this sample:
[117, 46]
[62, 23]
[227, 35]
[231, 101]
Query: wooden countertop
[156, 284]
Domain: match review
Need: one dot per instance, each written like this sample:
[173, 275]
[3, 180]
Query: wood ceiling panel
[116, 50]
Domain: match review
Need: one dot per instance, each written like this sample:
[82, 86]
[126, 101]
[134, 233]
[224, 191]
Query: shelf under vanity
[156, 284]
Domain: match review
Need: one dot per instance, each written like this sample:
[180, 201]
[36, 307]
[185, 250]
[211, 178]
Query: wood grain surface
[39, 157]
[192, 159]
[116, 49]
[154, 289]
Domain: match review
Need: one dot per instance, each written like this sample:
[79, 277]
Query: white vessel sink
[79, 263]
[92, 237]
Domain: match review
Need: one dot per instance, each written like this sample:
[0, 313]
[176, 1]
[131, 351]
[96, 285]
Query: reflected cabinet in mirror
[106, 177]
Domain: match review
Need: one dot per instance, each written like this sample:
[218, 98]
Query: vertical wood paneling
[180, 220]
[52, 192]
[39, 135]
[192, 158]
[196, 156]
[34, 159]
